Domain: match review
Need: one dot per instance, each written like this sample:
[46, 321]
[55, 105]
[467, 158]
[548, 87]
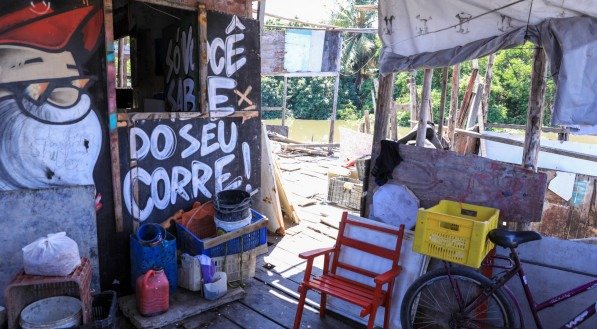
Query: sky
[313, 11]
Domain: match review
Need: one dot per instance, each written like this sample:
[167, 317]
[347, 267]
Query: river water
[319, 131]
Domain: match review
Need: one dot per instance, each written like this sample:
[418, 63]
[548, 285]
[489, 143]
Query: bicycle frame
[513, 268]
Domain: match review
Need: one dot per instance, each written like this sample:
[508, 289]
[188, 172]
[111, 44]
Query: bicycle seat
[511, 239]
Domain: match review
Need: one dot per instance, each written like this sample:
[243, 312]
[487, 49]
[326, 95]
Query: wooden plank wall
[434, 175]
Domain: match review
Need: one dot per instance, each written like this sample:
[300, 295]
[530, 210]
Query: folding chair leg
[386, 315]
[301, 305]
[322, 305]
[371, 321]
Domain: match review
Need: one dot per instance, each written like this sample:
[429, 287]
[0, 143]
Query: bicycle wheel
[430, 302]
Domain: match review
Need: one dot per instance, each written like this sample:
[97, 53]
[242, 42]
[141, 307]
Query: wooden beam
[473, 115]
[292, 145]
[334, 109]
[548, 149]
[468, 95]
[261, 15]
[180, 4]
[414, 104]
[557, 130]
[454, 102]
[442, 103]
[121, 80]
[302, 74]
[113, 116]
[365, 7]
[380, 130]
[367, 122]
[487, 88]
[272, 109]
[393, 131]
[284, 96]
[286, 203]
[202, 48]
[532, 140]
[425, 108]
[335, 29]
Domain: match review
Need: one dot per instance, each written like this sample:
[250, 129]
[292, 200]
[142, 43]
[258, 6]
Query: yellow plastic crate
[455, 232]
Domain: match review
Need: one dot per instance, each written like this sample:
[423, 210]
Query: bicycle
[457, 297]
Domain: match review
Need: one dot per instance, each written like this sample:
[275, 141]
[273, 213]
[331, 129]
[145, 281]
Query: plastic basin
[53, 312]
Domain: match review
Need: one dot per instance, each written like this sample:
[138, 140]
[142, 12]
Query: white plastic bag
[53, 255]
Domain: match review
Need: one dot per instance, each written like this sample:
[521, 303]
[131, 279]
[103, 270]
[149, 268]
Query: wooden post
[202, 23]
[113, 116]
[442, 104]
[535, 111]
[414, 105]
[380, 130]
[487, 88]
[261, 15]
[334, 107]
[424, 112]
[284, 100]
[373, 92]
[532, 137]
[393, 133]
[468, 95]
[454, 103]
[121, 66]
[367, 129]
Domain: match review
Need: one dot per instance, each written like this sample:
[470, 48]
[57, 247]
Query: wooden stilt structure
[442, 103]
[414, 103]
[380, 130]
[425, 108]
[454, 102]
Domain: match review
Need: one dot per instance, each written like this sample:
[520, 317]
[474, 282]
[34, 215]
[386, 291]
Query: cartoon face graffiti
[49, 134]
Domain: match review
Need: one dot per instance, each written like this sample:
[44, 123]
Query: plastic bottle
[153, 293]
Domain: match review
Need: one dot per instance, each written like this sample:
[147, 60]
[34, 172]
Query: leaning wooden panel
[434, 175]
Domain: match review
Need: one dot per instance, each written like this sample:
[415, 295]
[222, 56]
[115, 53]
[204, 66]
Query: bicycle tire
[430, 302]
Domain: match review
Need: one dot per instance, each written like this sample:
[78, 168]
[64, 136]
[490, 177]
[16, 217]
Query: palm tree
[360, 50]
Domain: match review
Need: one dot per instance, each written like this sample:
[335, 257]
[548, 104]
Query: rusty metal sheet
[435, 175]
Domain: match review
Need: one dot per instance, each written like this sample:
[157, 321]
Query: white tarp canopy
[430, 33]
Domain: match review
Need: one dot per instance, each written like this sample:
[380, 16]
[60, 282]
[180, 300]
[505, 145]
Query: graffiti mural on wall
[49, 133]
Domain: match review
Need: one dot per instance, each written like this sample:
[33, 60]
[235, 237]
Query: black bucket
[232, 205]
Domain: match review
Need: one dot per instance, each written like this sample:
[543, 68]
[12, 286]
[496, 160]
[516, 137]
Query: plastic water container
[189, 273]
[150, 234]
[152, 293]
[144, 258]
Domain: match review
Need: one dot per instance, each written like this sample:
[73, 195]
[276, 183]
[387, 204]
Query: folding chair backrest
[366, 248]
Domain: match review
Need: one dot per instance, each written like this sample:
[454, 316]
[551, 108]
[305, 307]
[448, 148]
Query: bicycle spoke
[433, 303]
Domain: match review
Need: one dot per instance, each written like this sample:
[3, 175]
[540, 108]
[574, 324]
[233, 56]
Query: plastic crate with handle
[455, 232]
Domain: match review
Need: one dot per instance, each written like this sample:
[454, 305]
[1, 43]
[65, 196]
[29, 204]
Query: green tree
[272, 91]
[310, 98]
[359, 50]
